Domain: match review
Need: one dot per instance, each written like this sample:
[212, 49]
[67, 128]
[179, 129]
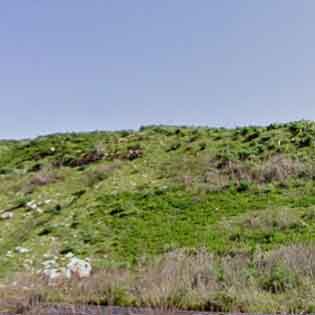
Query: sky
[80, 65]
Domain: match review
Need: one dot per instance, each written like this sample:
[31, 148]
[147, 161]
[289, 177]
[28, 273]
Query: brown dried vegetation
[186, 279]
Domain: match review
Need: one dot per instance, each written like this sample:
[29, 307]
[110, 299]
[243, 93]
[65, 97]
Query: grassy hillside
[121, 198]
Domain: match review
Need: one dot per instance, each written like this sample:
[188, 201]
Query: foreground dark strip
[108, 310]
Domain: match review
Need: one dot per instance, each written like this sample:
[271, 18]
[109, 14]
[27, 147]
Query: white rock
[22, 250]
[75, 268]
[49, 263]
[38, 210]
[7, 215]
[52, 274]
[79, 268]
[31, 205]
[69, 255]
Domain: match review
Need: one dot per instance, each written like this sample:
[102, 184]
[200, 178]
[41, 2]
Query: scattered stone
[7, 215]
[31, 205]
[78, 268]
[53, 274]
[49, 263]
[22, 250]
[69, 255]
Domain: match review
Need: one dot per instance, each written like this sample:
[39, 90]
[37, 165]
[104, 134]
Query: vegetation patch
[176, 217]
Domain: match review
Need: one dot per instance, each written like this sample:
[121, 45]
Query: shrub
[43, 178]
[266, 221]
[235, 269]
[280, 168]
[305, 142]
[216, 181]
[100, 173]
[244, 154]
[85, 159]
[243, 186]
[252, 136]
[238, 171]
[202, 146]
[298, 259]
[4, 171]
[244, 131]
[173, 147]
[278, 280]
[180, 279]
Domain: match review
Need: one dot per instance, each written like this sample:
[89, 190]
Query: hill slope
[117, 197]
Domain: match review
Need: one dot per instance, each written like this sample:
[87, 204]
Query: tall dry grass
[179, 279]
[280, 168]
[281, 280]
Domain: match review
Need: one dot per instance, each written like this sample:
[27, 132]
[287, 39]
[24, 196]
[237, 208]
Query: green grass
[184, 187]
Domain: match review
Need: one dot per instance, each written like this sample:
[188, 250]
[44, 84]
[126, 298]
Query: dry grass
[179, 280]
[238, 171]
[282, 219]
[105, 287]
[235, 270]
[280, 168]
[186, 279]
[277, 168]
[21, 293]
[266, 220]
[207, 173]
[216, 181]
[298, 259]
[44, 177]
[100, 173]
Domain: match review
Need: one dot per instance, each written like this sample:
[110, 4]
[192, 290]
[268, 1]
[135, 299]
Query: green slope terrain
[119, 198]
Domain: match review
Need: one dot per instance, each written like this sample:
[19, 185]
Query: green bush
[279, 280]
[243, 186]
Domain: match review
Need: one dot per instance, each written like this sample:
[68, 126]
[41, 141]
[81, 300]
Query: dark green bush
[243, 186]
[279, 280]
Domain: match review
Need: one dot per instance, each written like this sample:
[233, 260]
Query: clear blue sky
[69, 65]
